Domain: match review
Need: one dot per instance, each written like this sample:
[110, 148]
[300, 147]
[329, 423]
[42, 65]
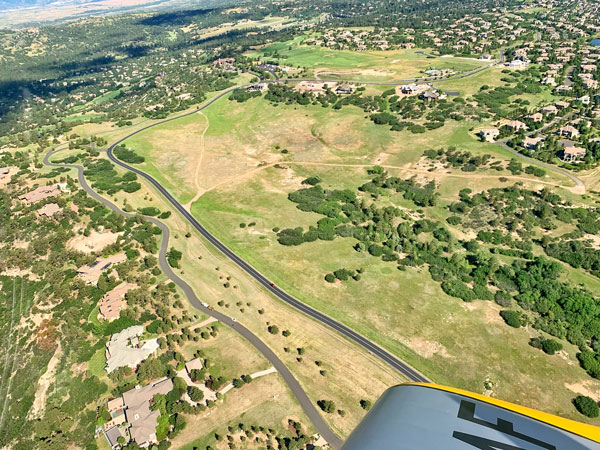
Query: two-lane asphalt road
[305, 403]
[367, 344]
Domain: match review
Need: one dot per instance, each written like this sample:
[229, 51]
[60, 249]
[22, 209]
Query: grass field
[264, 402]
[351, 374]
[229, 354]
[365, 65]
[403, 311]
[174, 149]
[406, 312]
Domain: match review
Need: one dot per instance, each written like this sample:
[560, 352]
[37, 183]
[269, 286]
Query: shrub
[550, 346]
[327, 406]
[503, 298]
[512, 318]
[173, 257]
[124, 154]
[150, 211]
[195, 393]
[273, 329]
[365, 404]
[586, 406]
[454, 220]
[330, 278]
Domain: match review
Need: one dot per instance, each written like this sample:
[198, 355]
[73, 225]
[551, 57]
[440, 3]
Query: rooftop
[142, 419]
[123, 350]
[40, 193]
[91, 273]
[112, 302]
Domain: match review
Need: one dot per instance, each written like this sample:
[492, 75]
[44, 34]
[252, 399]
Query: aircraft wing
[422, 416]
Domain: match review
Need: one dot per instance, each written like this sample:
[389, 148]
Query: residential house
[344, 89]
[430, 95]
[223, 62]
[48, 210]
[489, 134]
[258, 87]
[116, 409]
[411, 89]
[549, 109]
[549, 81]
[112, 436]
[569, 132]
[563, 89]
[194, 364]
[91, 273]
[562, 104]
[516, 126]
[124, 349]
[517, 63]
[531, 143]
[584, 99]
[39, 194]
[572, 153]
[143, 420]
[537, 117]
[113, 301]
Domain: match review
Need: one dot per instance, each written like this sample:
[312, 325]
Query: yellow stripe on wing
[581, 429]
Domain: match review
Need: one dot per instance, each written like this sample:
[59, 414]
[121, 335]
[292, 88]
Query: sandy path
[199, 190]
[204, 323]
[255, 375]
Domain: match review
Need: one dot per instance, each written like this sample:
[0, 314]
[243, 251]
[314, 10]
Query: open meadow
[244, 178]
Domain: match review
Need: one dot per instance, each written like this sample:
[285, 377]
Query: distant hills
[14, 13]
[14, 4]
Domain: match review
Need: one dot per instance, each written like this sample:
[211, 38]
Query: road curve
[307, 406]
[406, 370]
[580, 184]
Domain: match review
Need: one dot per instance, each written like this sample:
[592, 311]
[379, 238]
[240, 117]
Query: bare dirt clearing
[94, 242]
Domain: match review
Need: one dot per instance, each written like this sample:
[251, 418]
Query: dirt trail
[238, 178]
[199, 190]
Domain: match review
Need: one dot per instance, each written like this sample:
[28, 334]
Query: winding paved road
[367, 344]
[580, 184]
[307, 406]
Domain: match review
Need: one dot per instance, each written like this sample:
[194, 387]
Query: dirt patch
[489, 311]
[95, 241]
[591, 388]
[78, 369]
[4, 180]
[46, 335]
[427, 348]
[44, 383]
[22, 273]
